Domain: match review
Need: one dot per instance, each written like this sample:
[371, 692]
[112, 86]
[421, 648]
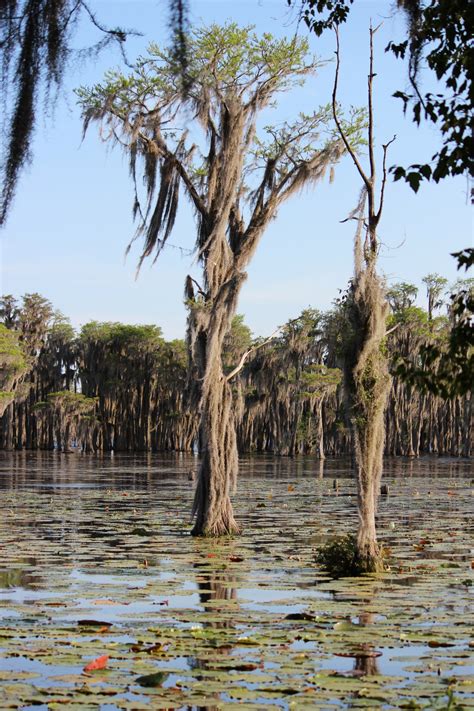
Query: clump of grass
[340, 557]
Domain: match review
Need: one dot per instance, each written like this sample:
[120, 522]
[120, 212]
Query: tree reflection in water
[22, 577]
[214, 586]
[366, 663]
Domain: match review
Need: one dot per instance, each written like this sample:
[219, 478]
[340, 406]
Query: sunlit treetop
[191, 139]
[121, 334]
[228, 60]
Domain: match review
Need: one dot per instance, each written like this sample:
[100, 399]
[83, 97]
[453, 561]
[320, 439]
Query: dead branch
[384, 175]
[242, 361]
[349, 148]
[259, 345]
[391, 330]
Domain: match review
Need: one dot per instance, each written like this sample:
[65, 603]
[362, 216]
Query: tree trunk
[368, 383]
[321, 429]
[218, 438]
[368, 463]
[467, 443]
[219, 463]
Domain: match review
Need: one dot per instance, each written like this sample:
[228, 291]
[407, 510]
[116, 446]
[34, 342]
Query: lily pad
[250, 622]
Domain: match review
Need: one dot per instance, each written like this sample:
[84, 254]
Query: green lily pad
[152, 680]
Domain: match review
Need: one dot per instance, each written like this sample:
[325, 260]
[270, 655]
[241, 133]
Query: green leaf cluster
[13, 360]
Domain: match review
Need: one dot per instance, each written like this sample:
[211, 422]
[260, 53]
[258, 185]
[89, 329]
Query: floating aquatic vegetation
[253, 621]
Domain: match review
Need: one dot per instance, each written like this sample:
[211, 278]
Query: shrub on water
[340, 557]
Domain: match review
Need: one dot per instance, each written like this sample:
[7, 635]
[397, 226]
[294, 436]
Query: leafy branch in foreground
[439, 34]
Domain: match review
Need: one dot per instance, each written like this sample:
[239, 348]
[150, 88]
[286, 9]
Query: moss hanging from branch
[35, 50]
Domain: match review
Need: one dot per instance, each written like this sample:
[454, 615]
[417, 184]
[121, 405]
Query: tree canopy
[230, 69]
[123, 387]
[444, 364]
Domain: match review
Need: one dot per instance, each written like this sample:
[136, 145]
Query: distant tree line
[118, 387]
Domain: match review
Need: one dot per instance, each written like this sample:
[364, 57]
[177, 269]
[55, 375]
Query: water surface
[96, 559]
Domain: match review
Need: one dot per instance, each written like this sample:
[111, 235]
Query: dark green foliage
[119, 335]
[72, 416]
[12, 356]
[21, 338]
[237, 341]
[288, 390]
[446, 369]
[440, 33]
[413, 318]
[318, 380]
[401, 295]
[14, 365]
[340, 558]
[9, 311]
[34, 318]
[76, 402]
[465, 258]
[445, 365]
[139, 380]
[285, 384]
[319, 15]
[435, 286]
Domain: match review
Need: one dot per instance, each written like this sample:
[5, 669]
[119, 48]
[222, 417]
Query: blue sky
[71, 220]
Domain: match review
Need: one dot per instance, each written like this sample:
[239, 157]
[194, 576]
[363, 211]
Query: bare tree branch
[242, 361]
[336, 118]
[259, 345]
[384, 176]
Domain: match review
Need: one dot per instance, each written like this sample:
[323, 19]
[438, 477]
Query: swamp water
[96, 561]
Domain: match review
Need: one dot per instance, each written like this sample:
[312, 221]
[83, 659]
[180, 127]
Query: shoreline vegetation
[123, 388]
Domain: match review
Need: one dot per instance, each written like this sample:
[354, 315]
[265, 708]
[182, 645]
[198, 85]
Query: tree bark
[321, 430]
[218, 437]
[368, 383]
[219, 463]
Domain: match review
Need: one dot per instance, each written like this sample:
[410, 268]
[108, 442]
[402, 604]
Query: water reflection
[217, 592]
[321, 468]
[19, 578]
[216, 586]
[366, 657]
[109, 538]
[24, 469]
